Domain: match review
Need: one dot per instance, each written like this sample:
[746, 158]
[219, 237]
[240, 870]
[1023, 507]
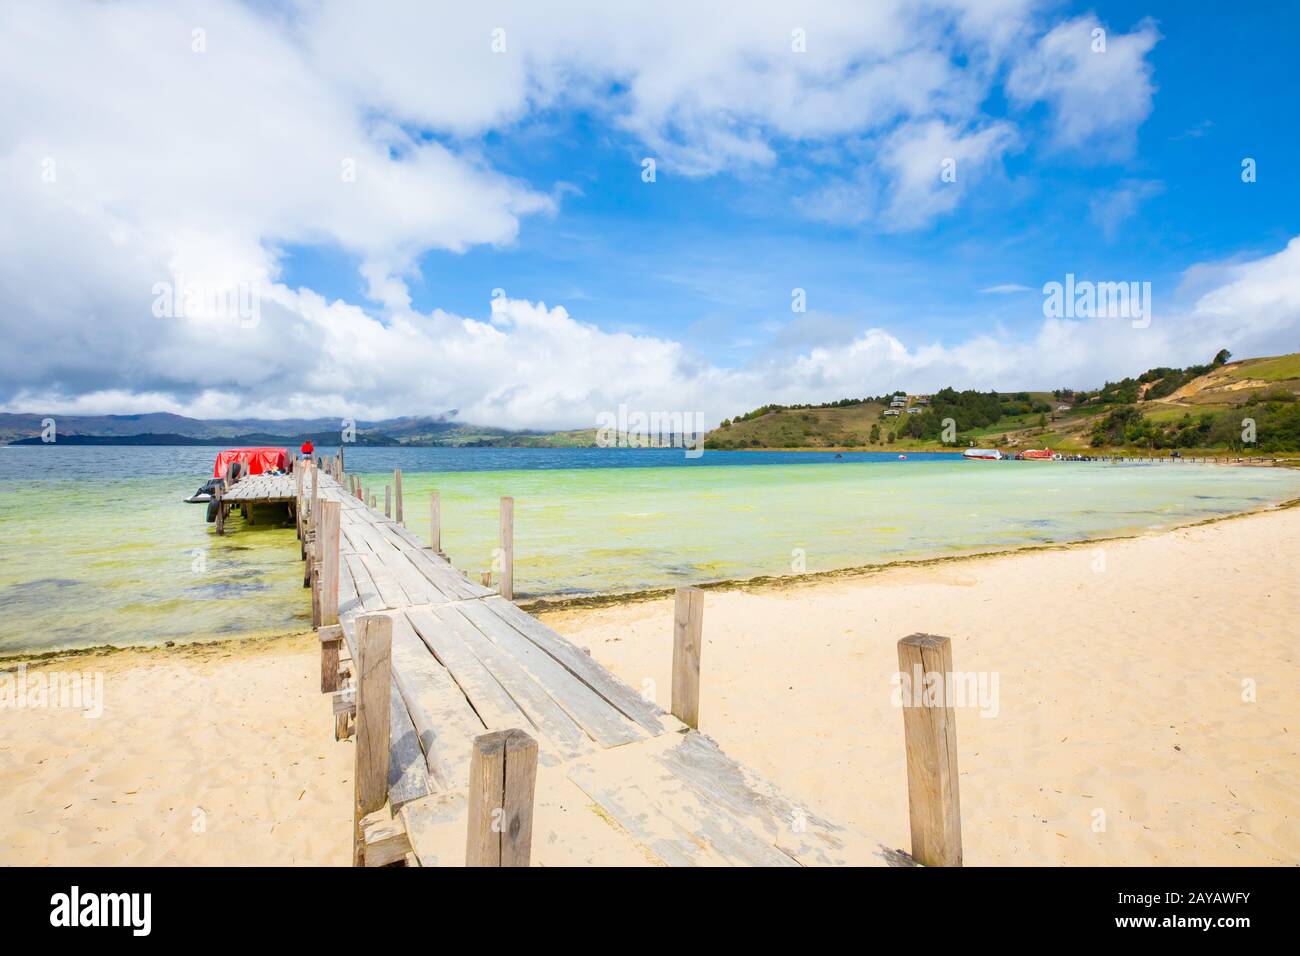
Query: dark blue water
[81, 462]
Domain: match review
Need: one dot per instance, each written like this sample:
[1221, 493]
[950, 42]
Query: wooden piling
[388, 501]
[327, 553]
[397, 494]
[508, 548]
[930, 734]
[313, 575]
[435, 522]
[315, 500]
[688, 629]
[331, 642]
[297, 500]
[374, 675]
[502, 781]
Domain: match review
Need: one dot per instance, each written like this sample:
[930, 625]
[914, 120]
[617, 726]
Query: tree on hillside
[1222, 357]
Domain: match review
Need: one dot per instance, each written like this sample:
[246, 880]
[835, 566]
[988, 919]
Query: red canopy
[253, 461]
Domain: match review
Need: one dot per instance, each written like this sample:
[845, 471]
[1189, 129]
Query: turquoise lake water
[96, 546]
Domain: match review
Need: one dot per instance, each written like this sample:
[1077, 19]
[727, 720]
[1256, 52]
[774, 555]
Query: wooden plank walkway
[618, 781]
[260, 488]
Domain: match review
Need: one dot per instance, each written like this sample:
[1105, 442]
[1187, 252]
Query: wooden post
[485, 578]
[502, 779]
[688, 627]
[297, 499]
[313, 575]
[315, 499]
[435, 522]
[331, 641]
[358, 492]
[930, 732]
[397, 493]
[388, 501]
[374, 675]
[508, 548]
[327, 553]
[221, 510]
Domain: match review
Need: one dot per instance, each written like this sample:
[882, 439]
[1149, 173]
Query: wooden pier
[485, 738]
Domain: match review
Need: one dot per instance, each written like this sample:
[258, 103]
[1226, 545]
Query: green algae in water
[98, 559]
[88, 563]
[609, 530]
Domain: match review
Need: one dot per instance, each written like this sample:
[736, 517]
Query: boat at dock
[232, 465]
[982, 454]
[1039, 454]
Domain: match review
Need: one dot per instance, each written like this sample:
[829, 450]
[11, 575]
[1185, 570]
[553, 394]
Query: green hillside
[1199, 407]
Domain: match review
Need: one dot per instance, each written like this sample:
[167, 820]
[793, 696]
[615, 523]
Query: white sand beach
[1120, 668]
[1121, 734]
[215, 754]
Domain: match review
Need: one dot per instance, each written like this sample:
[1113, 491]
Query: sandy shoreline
[217, 754]
[1121, 734]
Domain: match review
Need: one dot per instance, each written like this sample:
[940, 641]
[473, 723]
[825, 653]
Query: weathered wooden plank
[445, 576]
[581, 664]
[367, 594]
[408, 774]
[557, 731]
[667, 817]
[443, 718]
[440, 584]
[802, 834]
[596, 716]
[418, 588]
[384, 839]
[436, 827]
[486, 695]
[390, 589]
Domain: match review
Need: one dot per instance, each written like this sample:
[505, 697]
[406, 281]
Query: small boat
[1038, 454]
[902, 458]
[235, 463]
[982, 454]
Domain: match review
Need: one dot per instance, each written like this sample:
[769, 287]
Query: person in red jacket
[307, 448]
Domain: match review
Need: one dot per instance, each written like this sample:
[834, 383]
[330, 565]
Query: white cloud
[207, 164]
[539, 367]
[1098, 97]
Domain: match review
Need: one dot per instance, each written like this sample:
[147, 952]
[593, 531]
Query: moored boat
[982, 454]
[235, 463]
[1038, 454]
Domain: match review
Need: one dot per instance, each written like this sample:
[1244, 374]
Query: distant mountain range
[164, 428]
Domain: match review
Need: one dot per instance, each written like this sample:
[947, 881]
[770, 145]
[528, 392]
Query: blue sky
[712, 259]
[362, 181]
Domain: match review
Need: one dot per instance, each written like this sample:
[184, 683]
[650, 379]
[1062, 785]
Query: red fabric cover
[253, 461]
